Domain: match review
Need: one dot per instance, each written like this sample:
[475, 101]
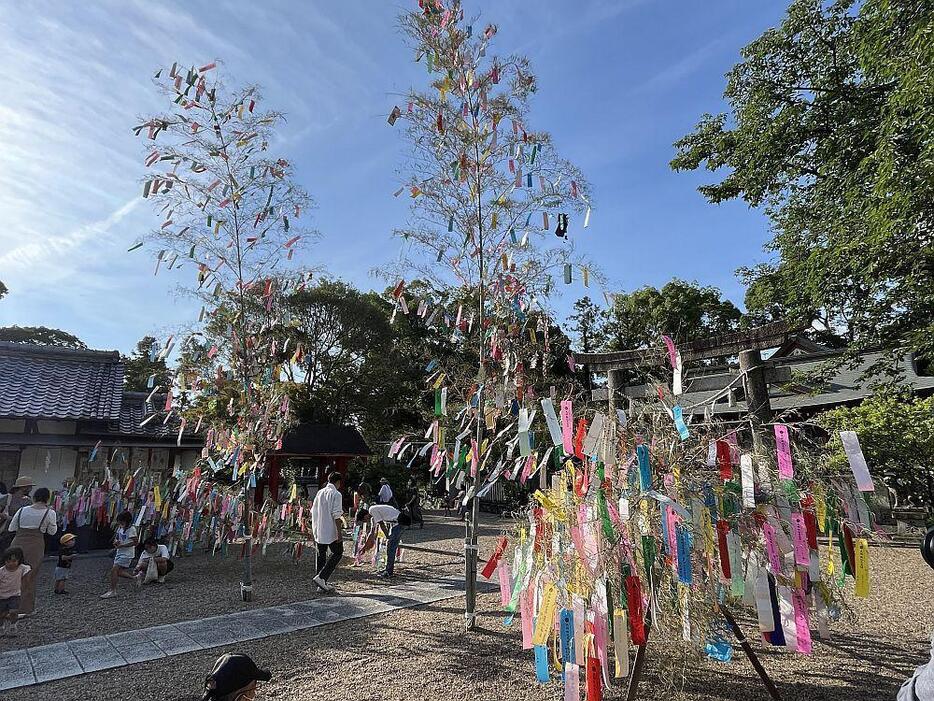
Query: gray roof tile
[41, 382]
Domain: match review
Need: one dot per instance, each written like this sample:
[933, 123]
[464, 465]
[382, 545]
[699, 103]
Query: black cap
[231, 673]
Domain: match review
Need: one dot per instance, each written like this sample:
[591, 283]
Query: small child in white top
[11, 587]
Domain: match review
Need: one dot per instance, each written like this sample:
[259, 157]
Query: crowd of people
[27, 520]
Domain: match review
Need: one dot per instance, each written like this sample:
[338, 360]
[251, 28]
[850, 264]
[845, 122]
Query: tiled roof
[846, 385]
[41, 382]
[135, 408]
[323, 439]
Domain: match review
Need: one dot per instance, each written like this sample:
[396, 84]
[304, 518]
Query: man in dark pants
[327, 513]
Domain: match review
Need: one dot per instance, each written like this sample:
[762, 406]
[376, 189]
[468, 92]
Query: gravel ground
[424, 654]
[202, 585]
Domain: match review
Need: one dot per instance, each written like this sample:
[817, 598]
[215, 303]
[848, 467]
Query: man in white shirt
[154, 551]
[391, 521]
[385, 492]
[327, 512]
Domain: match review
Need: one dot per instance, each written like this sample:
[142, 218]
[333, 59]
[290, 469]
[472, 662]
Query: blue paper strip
[541, 664]
[567, 635]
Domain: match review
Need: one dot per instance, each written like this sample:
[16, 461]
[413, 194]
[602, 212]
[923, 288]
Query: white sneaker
[108, 594]
[322, 584]
[161, 579]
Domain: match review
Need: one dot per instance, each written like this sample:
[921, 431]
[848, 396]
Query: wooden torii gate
[757, 374]
[746, 344]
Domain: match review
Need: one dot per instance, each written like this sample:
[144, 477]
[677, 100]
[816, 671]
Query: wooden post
[744, 644]
[757, 389]
[610, 392]
[632, 691]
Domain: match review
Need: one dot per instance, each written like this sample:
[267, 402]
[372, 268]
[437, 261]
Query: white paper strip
[592, 439]
[749, 489]
[857, 462]
[554, 428]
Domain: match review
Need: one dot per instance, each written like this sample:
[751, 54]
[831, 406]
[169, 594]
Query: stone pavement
[85, 655]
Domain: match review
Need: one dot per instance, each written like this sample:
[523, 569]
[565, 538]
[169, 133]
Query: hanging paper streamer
[783, 448]
[854, 455]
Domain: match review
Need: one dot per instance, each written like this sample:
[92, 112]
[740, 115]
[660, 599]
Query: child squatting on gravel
[11, 587]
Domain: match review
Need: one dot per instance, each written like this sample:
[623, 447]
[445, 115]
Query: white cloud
[28, 254]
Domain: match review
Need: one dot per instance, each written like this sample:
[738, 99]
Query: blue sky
[619, 82]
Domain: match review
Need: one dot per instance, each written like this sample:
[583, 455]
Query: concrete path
[85, 655]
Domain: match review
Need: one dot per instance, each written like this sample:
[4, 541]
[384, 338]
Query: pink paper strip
[782, 445]
[799, 536]
[600, 641]
[672, 353]
[771, 548]
[505, 582]
[526, 613]
[671, 519]
[802, 624]
[567, 426]
[572, 682]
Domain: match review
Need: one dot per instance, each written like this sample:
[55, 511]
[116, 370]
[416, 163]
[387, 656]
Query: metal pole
[246, 580]
[471, 549]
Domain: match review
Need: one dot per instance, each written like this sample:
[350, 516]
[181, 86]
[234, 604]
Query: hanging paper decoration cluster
[647, 531]
[229, 213]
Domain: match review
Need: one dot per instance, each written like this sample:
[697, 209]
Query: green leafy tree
[354, 368]
[896, 433]
[682, 310]
[143, 364]
[831, 132]
[3, 290]
[41, 336]
[588, 325]
[588, 328]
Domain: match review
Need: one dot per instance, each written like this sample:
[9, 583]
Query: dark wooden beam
[725, 344]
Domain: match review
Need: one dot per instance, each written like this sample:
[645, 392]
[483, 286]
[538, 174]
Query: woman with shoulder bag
[30, 525]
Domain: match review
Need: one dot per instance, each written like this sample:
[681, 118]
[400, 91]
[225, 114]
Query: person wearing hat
[385, 492]
[233, 678]
[66, 553]
[16, 499]
[31, 524]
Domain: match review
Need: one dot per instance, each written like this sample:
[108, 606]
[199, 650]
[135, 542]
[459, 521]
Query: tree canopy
[41, 336]
[896, 433]
[143, 364]
[681, 310]
[831, 131]
[3, 290]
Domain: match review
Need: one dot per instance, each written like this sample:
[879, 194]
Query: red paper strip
[490, 566]
[579, 438]
[634, 603]
[594, 680]
[722, 529]
[724, 461]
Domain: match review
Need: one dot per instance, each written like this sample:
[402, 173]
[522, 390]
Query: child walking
[11, 587]
[125, 542]
[66, 553]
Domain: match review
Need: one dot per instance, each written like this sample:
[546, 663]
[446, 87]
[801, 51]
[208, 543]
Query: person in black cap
[233, 678]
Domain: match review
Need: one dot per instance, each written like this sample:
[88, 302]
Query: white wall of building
[48, 467]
